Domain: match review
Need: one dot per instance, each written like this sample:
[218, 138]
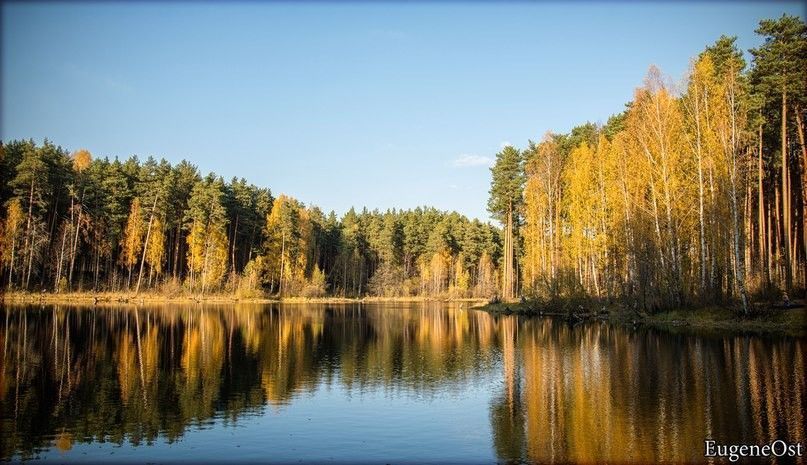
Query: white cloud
[505, 144]
[472, 160]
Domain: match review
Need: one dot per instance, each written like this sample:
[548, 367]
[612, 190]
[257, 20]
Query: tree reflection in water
[125, 374]
[599, 393]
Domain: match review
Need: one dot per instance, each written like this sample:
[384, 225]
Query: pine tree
[505, 204]
[779, 65]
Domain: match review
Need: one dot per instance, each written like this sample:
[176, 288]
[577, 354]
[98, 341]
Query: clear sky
[377, 105]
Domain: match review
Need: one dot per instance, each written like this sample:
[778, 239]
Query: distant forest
[77, 223]
[694, 194]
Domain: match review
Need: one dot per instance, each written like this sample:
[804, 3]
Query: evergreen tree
[505, 204]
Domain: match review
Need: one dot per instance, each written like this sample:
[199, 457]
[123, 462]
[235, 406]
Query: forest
[78, 223]
[695, 193]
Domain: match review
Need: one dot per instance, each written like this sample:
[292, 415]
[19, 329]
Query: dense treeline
[74, 222]
[693, 195]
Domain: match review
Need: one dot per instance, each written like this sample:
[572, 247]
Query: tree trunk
[739, 272]
[800, 131]
[205, 261]
[507, 285]
[702, 223]
[29, 236]
[765, 266]
[778, 221]
[786, 197]
[748, 235]
[361, 275]
[30, 265]
[11, 264]
[146, 245]
[51, 233]
[59, 265]
[768, 243]
[282, 262]
[177, 237]
[235, 234]
[75, 241]
[73, 248]
[97, 267]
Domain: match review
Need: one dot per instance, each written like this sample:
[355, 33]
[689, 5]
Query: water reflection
[601, 393]
[557, 393]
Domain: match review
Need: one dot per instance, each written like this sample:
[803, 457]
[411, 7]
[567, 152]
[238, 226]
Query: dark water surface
[381, 384]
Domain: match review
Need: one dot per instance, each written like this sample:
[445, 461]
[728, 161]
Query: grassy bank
[147, 297]
[791, 321]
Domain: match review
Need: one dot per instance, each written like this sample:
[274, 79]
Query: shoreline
[791, 321]
[18, 297]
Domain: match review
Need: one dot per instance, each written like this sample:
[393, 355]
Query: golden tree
[12, 227]
[133, 237]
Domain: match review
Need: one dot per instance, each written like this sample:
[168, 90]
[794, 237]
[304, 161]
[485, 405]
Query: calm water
[381, 384]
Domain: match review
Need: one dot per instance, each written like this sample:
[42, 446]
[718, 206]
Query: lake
[380, 383]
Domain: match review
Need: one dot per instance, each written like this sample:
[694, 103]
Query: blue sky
[377, 105]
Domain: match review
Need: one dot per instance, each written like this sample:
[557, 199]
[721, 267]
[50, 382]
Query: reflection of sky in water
[332, 425]
[411, 383]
